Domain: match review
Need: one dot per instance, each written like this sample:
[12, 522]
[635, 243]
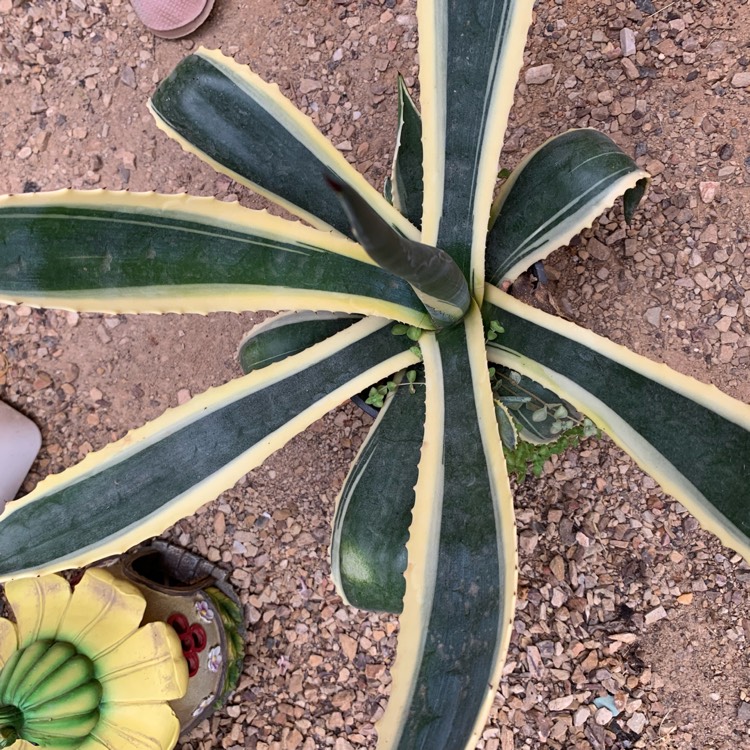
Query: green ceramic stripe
[457, 661]
[374, 513]
[203, 104]
[476, 38]
[108, 502]
[710, 451]
[565, 176]
[69, 249]
[407, 168]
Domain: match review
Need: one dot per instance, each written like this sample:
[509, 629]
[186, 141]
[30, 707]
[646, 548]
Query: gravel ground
[621, 596]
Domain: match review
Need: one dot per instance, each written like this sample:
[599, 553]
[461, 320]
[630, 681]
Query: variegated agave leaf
[642, 406]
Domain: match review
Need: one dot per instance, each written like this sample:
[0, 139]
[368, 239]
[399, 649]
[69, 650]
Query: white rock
[308, 85]
[637, 722]
[627, 42]
[540, 74]
[741, 80]
[708, 191]
[655, 615]
[528, 541]
[710, 234]
[406, 19]
[558, 598]
[653, 316]
[560, 704]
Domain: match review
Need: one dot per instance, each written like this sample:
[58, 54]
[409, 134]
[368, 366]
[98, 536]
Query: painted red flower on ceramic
[192, 638]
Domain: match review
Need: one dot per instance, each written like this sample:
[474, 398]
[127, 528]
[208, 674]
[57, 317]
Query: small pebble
[627, 42]
[127, 76]
[539, 74]
[708, 191]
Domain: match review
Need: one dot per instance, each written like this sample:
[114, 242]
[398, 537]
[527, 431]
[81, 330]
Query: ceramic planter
[192, 595]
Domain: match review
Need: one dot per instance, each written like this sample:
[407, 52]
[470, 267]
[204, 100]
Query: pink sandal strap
[172, 18]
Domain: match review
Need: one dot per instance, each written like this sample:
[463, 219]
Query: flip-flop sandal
[172, 19]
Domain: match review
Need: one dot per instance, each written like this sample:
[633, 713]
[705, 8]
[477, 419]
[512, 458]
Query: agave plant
[78, 671]
[424, 525]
